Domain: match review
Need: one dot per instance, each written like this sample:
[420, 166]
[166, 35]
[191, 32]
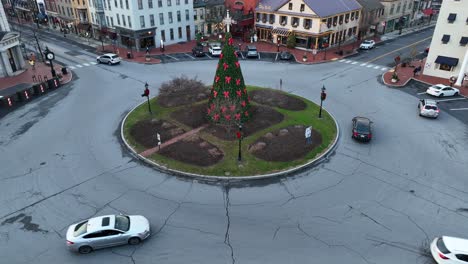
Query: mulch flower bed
[262, 117]
[286, 144]
[144, 131]
[277, 99]
[192, 116]
[193, 150]
[182, 97]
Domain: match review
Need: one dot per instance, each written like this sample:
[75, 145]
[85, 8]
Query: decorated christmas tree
[229, 103]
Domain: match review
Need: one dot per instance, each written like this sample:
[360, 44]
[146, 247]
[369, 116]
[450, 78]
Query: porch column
[19, 57]
[6, 63]
[463, 69]
[316, 42]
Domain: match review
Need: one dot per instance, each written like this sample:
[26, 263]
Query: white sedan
[449, 250]
[367, 44]
[441, 90]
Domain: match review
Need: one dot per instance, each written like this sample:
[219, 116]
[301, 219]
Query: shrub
[395, 76]
[291, 41]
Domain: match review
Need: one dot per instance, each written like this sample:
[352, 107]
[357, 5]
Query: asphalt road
[383, 202]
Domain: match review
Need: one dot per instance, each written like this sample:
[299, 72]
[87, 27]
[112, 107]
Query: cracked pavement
[381, 202]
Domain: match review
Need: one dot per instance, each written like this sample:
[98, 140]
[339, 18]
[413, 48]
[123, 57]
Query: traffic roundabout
[283, 135]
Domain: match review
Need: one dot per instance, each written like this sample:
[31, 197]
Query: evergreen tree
[229, 103]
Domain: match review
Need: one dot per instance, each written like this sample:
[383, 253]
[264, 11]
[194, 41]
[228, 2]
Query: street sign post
[308, 135]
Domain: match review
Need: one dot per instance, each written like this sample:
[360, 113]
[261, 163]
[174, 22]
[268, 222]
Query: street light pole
[323, 96]
[146, 93]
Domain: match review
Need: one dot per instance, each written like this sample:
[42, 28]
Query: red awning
[428, 11]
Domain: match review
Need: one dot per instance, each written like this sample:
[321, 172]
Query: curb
[397, 85]
[323, 157]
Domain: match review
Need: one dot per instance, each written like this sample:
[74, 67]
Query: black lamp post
[147, 93]
[323, 96]
[239, 136]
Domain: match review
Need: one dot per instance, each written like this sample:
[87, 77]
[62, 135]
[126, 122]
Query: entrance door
[12, 60]
[187, 29]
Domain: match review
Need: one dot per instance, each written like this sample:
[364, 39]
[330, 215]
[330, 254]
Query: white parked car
[367, 44]
[428, 108]
[441, 90]
[109, 58]
[215, 50]
[107, 231]
[449, 250]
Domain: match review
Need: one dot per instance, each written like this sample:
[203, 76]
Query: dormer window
[347, 18]
[272, 18]
[302, 7]
[341, 19]
[264, 18]
[352, 16]
[290, 6]
[258, 17]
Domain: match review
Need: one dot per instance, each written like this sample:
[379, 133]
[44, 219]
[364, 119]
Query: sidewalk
[41, 72]
[395, 34]
[405, 74]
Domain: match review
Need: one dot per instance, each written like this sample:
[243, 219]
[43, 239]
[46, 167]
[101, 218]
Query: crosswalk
[77, 66]
[365, 65]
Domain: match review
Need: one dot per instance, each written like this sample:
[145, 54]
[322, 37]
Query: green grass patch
[250, 164]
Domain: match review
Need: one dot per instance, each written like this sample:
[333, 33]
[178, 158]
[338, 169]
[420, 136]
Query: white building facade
[448, 53]
[144, 23]
[11, 59]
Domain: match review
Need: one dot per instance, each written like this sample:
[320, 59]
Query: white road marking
[79, 66]
[72, 67]
[171, 57]
[190, 56]
[354, 62]
[453, 99]
[377, 67]
[85, 64]
[384, 69]
[364, 64]
[342, 60]
[93, 63]
[208, 55]
[259, 56]
[347, 61]
[458, 109]
[370, 65]
[422, 93]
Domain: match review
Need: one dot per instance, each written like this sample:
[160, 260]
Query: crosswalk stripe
[370, 65]
[85, 64]
[354, 62]
[93, 63]
[364, 64]
[72, 67]
[377, 67]
[342, 60]
[79, 66]
[384, 69]
[347, 61]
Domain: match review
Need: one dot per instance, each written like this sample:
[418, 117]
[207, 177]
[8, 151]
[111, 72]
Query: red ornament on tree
[246, 113]
[217, 79]
[237, 64]
[239, 93]
[237, 116]
[215, 93]
[243, 103]
[228, 79]
[225, 66]
[231, 41]
[226, 94]
[216, 117]
[233, 108]
[223, 109]
[238, 81]
[227, 117]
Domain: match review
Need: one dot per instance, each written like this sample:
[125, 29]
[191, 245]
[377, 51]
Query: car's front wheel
[455, 94]
[85, 249]
[441, 95]
[134, 241]
[109, 63]
[98, 61]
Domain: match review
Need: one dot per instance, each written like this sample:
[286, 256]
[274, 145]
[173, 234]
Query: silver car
[109, 58]
[428, 108]
[251, 51]
[107, 231]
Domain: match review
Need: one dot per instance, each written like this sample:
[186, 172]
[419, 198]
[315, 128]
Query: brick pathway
[26, 77]
[405, 74]
[171, 141]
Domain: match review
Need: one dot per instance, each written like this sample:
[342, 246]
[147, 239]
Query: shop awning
[84, 26]
[246, 22]
[447, 61]
[238, 7]
[428, 11]
[281, 31]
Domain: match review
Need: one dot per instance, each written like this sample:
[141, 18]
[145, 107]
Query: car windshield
[252, 49]
[114, 56]
[436, 87]
[431, 107]
[441, 246]
[122, 222]
[216, 48]
[367, 42]
[80, 229]
[362, 127]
